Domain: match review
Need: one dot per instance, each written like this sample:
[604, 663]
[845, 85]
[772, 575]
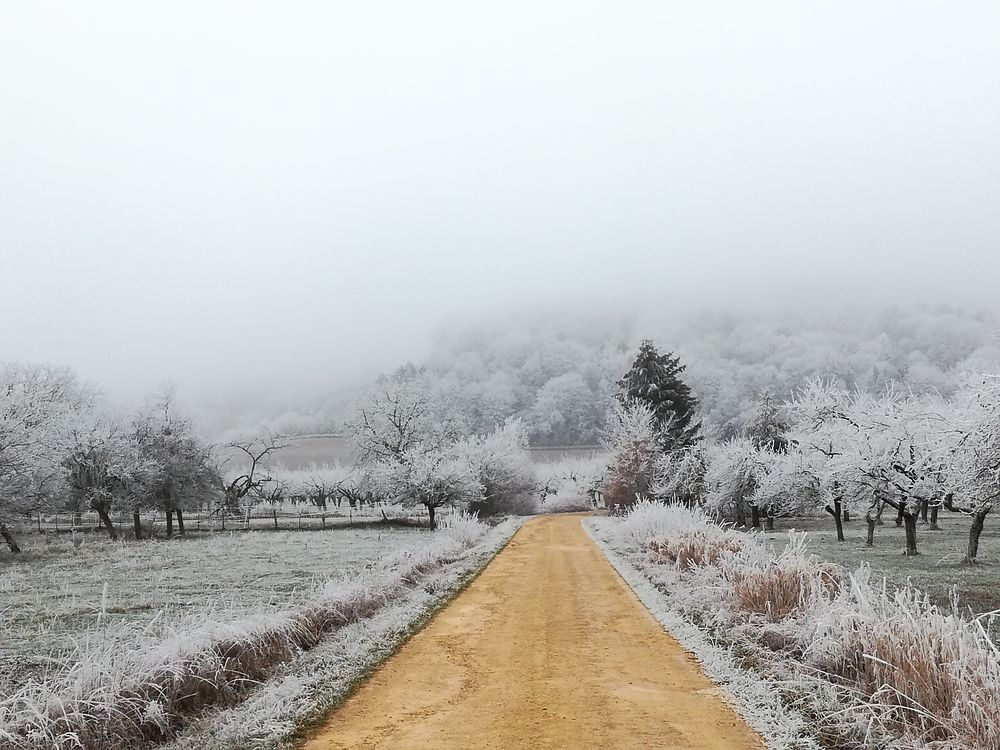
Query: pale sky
[231, 194]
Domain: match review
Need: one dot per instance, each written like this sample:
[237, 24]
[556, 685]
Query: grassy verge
[865, 664]
[285, 710]
[273, 664]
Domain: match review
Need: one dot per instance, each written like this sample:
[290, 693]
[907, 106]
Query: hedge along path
[547, 648]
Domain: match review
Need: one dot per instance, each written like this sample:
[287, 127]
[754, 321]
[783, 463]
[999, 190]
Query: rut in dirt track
[547, 648]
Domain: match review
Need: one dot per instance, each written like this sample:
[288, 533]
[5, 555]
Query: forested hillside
[557, 371]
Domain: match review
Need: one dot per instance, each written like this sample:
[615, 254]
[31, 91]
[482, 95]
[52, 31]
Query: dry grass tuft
[692, 548]
[779, 591]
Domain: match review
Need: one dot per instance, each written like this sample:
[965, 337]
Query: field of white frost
[57, 597]
[813, 654]
[214, 642]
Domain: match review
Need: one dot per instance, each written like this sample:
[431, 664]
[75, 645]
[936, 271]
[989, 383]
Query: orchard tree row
[828, 450]
[64, 448]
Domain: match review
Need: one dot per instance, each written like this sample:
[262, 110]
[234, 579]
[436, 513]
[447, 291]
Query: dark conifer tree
[655, 379]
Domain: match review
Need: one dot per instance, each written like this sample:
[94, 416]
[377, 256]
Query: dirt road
[548, 648]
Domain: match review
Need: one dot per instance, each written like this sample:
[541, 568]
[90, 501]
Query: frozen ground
[59, 596]
[937, 570]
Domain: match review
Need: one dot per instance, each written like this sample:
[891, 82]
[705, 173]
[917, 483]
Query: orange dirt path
[547, 648]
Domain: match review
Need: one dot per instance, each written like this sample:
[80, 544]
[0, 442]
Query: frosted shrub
[665, 527]
[502, 464]
[463, 528]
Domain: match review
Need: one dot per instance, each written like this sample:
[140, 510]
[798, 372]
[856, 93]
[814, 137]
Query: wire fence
[258, 518]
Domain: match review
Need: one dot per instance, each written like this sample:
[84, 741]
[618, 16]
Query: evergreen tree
[654, 379]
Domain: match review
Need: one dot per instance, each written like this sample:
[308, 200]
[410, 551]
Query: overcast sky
[232, 193]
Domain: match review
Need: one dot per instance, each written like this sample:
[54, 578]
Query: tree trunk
[878, 516]
[180, 521]
[106, 520]
[137, 524]
[430, 511]
[769, 522]
[9, 538]
[934, 514]
[901, 513]
[837, 512]
[978, 519]
[910, 521]
[170, 522]
[274, 514]
[847, 515]
[924, 507]
[741, 514]
[870, 539]
[754, 517]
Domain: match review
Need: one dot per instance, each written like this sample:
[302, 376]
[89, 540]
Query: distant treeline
[557, 372]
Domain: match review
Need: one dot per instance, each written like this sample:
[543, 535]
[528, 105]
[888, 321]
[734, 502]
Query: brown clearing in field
[548, 648]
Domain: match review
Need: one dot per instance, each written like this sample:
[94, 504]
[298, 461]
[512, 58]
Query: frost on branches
[893, 449]
[632, 439]
[37, 407]
[416, 453]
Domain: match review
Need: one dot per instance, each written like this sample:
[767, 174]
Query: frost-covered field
[60, 597]
[814, 654]
[937, 570]
[147, 637]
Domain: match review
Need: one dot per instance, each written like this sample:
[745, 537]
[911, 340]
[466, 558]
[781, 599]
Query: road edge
[308, 727]
[751, 696]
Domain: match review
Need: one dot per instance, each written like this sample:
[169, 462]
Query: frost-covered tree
[680, 476]
[633, 441]
[788, 484]
[180, 470]
[566, 411]
[250, 484]
[400, 418]
[502, 466]
[767, 430]
[433, 479]
[104, 465]
[38, 404]
[654, 379]
[732, 478]
[974, 465]
[891, 448]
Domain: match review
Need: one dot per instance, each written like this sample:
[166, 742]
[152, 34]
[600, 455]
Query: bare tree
[399, 419]
[251, 483]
